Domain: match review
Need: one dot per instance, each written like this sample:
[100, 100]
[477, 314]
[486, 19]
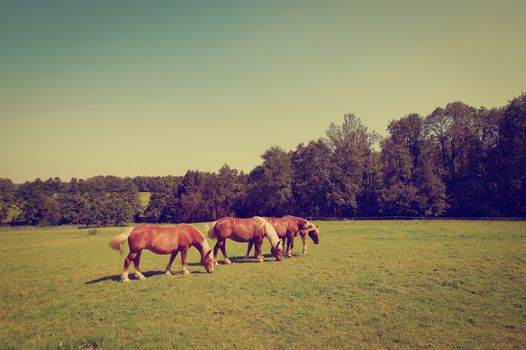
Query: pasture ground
[369, 284]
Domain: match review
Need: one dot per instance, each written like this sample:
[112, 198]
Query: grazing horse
[162, 240]
[287, 228]
[304, 227]
[245, 230]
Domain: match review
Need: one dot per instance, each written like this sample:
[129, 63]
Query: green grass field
[369, 284]
[144, 199]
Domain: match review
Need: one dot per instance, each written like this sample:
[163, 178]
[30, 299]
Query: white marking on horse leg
[186, 272]
[139, 275]
[227, 261]
[168, 273]
[124, 277]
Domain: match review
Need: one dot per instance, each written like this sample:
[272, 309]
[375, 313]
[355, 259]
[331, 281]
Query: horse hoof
[168, 273]
[141, 277]
[216, 263]
[125, 280]
[227, 261]
[260, 260]
[186, 272]
[289, 255]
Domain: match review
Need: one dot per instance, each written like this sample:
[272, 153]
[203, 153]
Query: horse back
[239, 230]
[281, 225]
[160, 239]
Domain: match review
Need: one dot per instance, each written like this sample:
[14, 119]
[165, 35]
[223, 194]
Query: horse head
[277, 251]
[312, 230]
[207, 261]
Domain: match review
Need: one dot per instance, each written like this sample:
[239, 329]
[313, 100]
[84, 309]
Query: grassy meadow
[368, 284]
[144, 199]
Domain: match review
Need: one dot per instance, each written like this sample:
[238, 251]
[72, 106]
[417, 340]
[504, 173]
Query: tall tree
[315, 193]
[511, 199]
[270, 185]
[224, 191]
[351, 145]
[7, 198]
[412, 181]
[192, 201]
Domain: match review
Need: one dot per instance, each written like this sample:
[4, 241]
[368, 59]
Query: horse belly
[240, 237]
[164, 244]
[281, 231]
[162, 251]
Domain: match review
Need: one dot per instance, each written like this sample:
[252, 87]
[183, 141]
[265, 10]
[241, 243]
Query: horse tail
[117, 241]
[211, 230]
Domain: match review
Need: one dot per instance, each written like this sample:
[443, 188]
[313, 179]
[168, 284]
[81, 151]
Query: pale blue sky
[155, 88]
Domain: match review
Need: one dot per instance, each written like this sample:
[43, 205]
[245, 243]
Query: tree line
[457, 161]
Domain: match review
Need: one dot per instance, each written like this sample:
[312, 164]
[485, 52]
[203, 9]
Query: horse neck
[299, 221]
[271, 235]
[202, 246]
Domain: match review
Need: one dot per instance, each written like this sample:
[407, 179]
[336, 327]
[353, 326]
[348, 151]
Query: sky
[155, 88]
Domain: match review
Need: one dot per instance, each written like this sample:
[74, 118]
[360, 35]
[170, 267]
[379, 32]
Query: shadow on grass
[251, 259]
[147, 274]
[114, 278]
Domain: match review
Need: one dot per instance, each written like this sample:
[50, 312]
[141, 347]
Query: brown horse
[304, 227]
[287, 228]
[245, 230]
[162, 240]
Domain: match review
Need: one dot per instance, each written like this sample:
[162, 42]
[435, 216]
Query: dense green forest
[458, 161]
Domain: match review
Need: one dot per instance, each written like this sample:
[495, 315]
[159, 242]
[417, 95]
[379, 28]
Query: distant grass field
[369, 284]
[144, 199]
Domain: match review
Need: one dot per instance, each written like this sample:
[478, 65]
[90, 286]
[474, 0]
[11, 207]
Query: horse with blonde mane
[162, 240]
[245, 230]
[287, 228]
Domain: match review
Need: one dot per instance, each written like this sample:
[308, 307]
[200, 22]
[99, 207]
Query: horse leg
[136, 263]
[290, 245]
[223, 250]
[172, 258]
[183, 260]
[250, 244]
[285, 245]
[216, 248]
[304, 241]
[127, 262]
[259, 242]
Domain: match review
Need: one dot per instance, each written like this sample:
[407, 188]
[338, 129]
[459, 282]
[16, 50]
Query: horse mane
[204, 242]
[297, 219]
[198, 231]
[270, 232]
